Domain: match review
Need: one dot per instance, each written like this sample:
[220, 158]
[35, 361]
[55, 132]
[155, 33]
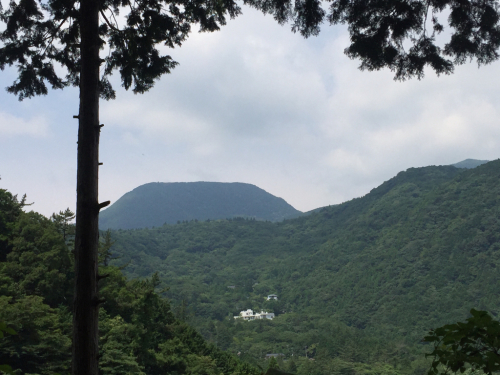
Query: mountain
[156, 203]
[469, 163]
[356, 281]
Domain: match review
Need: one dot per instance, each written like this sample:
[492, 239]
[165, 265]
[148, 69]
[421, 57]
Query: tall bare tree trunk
[86, 304]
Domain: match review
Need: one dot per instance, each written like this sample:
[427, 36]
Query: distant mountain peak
[157, 203]
[469, 163]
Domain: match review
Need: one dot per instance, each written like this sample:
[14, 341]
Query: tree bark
[86, 304]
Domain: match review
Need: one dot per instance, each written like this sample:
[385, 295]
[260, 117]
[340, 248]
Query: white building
[249, 315]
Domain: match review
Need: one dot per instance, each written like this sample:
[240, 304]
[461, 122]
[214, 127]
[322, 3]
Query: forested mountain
[139, 334]
[359, 284]
[157, 203]
[469, 163]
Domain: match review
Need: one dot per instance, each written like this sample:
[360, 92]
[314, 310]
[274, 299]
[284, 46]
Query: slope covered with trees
[157, 203]
[358, 283]
[138, 332]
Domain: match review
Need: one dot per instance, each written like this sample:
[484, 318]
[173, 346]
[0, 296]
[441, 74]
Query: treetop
[400, 35]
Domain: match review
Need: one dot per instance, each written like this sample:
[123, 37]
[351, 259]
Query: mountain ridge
[469, 163]
[157, 203]
[416, 252]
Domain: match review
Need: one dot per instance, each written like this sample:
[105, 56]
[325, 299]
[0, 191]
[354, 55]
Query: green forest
[359, 284]
[139, 333]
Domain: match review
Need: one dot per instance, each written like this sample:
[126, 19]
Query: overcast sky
[256, 103]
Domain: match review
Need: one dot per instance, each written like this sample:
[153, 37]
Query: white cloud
[11, 125]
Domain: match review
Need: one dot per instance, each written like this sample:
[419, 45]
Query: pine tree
[272, 363]
[62, 220]
[291, 366]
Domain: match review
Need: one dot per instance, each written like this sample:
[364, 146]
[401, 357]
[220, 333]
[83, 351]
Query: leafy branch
[474, 344]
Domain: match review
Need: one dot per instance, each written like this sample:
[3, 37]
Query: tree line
[138, 332]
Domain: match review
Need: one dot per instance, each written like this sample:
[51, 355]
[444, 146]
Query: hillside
[138, 332]
[155, 204]
[469, 163]
[416, 252]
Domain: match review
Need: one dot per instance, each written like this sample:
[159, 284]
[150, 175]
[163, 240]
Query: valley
[345, 289]
[359, 284]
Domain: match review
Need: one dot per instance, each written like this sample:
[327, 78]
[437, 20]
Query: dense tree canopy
[10, 209]
[138, 332]
[359, 283]
[400, 35]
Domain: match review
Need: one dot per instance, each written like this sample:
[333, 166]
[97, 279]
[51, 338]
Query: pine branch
[109, 23]
[51, 36]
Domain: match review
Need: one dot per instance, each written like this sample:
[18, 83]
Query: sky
[259, 104]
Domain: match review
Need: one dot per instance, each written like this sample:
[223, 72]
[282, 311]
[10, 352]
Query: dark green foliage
[401, 34]
[39, 262]
[105, 245]
[63, 220]
[359, 283]
[138, 332]
[42, 342]
[273, 364]
[10, 209]
[5, 329]
[291, 367]
[475, 344]
[39, 34]
[154, 204]
[6, 369]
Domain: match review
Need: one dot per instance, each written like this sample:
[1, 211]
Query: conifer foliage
[402, 34]
[40, 36]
